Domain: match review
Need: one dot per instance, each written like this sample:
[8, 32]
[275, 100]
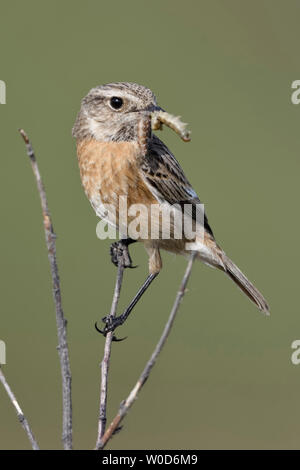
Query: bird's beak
[153, 107]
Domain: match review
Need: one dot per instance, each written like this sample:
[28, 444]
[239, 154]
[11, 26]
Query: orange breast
[109, 170]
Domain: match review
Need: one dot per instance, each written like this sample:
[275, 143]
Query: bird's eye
[116, 102]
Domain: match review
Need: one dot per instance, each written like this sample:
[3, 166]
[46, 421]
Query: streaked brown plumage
[113, 163]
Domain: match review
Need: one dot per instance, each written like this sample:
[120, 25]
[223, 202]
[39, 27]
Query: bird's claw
[110, 325]
[119, 253]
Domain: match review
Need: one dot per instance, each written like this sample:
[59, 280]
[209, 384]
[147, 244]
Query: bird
[115, 163]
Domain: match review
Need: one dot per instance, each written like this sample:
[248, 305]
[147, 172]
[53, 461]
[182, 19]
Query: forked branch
[126, 404]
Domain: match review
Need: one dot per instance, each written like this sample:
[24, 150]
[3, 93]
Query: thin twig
[106, 357]
[20, 414]
[61, 322]
[126, 404]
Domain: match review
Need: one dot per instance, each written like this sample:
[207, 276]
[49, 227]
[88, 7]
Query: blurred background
[225, 379]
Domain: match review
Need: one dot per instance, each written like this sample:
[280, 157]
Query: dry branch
[61, 322]
[20, 414]
[126, 404]
[106, 358]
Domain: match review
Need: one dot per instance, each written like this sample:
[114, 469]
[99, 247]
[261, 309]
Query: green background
[225, 378]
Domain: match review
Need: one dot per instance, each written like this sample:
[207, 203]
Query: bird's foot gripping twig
[111, 323]
[119, 252]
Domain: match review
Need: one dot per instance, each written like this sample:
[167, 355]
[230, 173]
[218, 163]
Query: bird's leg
[155, 265]
[120, 250]
[112, 323]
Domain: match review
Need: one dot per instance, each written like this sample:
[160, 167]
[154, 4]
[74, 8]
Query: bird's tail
[244, 284]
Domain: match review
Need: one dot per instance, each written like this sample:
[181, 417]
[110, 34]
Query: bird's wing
[166, 179]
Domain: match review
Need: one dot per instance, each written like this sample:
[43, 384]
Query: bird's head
[111, 112]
